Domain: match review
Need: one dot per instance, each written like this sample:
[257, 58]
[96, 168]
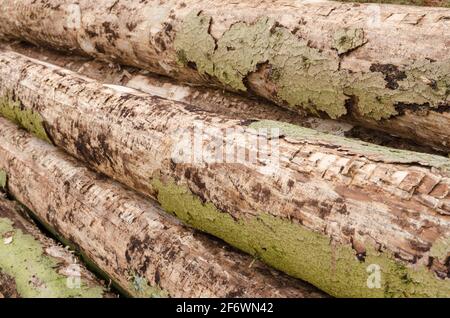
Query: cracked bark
[231, 104]
[431, 3]
[26, 275]
[142, 34]
[126, 235]
[351, 193]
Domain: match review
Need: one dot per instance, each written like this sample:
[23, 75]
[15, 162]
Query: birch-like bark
[146, 252]
[382, 66]
[319, 207]
[33, 265]
[207, 98]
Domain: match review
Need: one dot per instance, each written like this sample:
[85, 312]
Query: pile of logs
[224, 149]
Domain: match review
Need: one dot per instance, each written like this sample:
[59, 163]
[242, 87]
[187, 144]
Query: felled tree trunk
[325, 209]
[207, 98]
[431, 3]
[146, 252]
[32, 265]
[362, 63]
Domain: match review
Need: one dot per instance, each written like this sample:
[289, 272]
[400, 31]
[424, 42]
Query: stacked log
[322, 208]
[382, 66]
[145, 252]
[206, 98]
[32, 265]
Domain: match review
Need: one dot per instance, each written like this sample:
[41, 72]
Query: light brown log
[384, 66]
[146, 252]
[206, 98]
[319, 207]
[33, 265]
[431, 3]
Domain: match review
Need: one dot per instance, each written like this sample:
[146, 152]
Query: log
[318, 207]
[206, 98]
[360, 63]
[145, 252]
[33, 265]
[431, 3]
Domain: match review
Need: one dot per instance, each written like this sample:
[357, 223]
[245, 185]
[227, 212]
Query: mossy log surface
[146, 252]
[384, 66]
[33, 265]
[321, 207]
[207, 98]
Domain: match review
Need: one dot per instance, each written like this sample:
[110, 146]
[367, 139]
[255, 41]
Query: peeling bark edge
[387, 205]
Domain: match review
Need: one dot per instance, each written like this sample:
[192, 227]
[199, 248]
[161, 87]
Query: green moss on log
[35, 273]
[24, 117]
[307, 77]
[3, 179]
[303, 253]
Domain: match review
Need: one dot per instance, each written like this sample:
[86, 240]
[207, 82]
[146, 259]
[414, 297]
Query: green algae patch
[302, 253]
[195, 34]
[345, 40]
[3, 179]
[34, 272]
[441, 249]
[372, 151]
[304, 76]
[144, 290]
[26, 118]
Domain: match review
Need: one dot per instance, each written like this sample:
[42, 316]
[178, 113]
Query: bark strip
[322, 208]
[384, 66]
[33, 265]
[147, 252]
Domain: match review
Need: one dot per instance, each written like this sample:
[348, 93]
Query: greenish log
[32, 265]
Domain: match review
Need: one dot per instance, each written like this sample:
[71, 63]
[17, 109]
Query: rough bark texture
[431, 3]
[316, 206]
[358, 62]
[206, 98]
[147, 252]
[32, 265]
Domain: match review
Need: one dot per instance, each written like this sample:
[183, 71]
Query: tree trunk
[147, 252]
[361, 63]
[431, 3]
[319, 207]
[206, 98]
[32, 265]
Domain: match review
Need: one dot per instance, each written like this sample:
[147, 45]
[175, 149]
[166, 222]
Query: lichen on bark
[36, 273]
[24, 117]
[302, 253]
[303, 75]
[3, 179]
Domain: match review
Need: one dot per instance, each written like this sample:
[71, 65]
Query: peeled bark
[319, 207]
[33, 265]
[206, 98]
[146, 252]
[383, 66]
